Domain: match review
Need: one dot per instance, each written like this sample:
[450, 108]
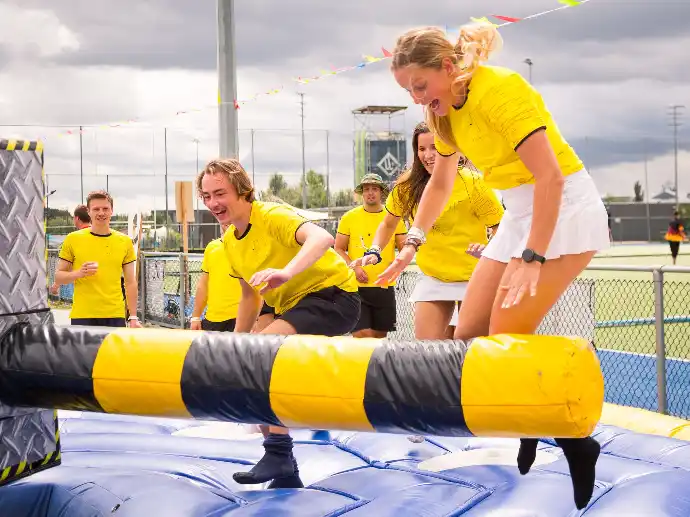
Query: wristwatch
[531, 256]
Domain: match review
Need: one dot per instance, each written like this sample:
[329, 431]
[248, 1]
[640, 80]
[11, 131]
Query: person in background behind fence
[217, 291]
[95, 259]
[675, 235]
[355, 235]
[555, 220]
[277, 254]
[446, 266]
[81, 220]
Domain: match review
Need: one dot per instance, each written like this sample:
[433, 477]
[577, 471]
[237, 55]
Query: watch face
[528, 255]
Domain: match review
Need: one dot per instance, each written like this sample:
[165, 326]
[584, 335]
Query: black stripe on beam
[227, 376]
[414, 387]
[48, 366]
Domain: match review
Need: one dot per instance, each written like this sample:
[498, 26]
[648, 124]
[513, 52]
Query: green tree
[276, 184]
[316, 190]
[343, 198]
[639, 193]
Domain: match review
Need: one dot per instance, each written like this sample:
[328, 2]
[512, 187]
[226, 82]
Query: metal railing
[638, 318]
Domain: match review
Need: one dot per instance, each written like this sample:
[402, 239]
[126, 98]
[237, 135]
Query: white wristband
[417, 233]
[195, 319]
[133, 318]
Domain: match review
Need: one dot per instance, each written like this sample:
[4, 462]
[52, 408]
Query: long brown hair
[411, 184]
[427, 47]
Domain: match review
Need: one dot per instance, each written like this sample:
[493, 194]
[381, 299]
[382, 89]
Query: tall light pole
[304, 166]
[81, 161]
[646, 189]
[675, 123]
[227, 80]
[529, 63]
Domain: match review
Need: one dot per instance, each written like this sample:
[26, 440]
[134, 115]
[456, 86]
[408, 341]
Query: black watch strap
[531, 256]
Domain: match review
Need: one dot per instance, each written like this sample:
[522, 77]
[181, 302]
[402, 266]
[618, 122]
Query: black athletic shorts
[218, 326]
[328, 312]
[675, 248]
[267, 309]
[378, 309]
[100, 322]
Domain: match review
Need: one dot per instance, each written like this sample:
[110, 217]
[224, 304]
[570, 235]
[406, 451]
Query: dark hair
[82, 213]
[99, 194]
[412, 182]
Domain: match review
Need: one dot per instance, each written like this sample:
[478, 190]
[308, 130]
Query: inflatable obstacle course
[517, 386]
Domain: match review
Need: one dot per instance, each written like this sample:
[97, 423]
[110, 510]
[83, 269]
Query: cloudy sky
[609, 70]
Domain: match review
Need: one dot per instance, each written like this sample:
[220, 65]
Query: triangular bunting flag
[508, 19]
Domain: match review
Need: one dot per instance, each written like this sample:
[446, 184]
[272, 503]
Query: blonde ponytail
[477, 42]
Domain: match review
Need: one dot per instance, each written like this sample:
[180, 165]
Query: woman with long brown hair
[555, 220]
[446, 267]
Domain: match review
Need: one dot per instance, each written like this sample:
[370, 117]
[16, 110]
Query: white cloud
[602, 91]
[620, 178]
[34, 32]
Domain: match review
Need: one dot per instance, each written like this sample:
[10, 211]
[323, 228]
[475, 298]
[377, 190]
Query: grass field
[622, 296]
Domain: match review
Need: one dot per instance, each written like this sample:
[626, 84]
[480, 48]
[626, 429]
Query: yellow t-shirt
[99, 295]
[471, 209]
[224, 291]
[270, 243]
[361, 226]
[503, 109]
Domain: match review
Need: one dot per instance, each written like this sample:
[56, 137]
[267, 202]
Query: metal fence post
[142, 286]
[183, 289]
[660, 339]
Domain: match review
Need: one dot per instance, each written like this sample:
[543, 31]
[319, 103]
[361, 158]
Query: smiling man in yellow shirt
[356, 231]
[95, 258]
[280, 256]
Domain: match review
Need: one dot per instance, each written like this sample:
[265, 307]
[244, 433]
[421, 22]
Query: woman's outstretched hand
[401, 261]
[523, 280]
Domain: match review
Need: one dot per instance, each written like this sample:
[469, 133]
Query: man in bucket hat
[355, 235]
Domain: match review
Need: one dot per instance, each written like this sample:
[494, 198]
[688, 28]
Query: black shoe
[277, 462]
[582, 455]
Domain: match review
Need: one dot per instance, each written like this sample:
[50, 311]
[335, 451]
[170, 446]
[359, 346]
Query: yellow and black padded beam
[507, 385]
[20, 145]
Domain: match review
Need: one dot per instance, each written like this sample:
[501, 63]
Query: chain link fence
[640, 324]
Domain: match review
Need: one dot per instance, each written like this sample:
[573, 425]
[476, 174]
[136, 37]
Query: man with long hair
[280, 256]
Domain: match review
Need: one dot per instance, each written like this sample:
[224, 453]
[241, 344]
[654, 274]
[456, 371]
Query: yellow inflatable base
[646, 422]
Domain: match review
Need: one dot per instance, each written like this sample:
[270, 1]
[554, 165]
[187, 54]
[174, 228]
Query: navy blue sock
[277, 462]
[582, 455]
[293, 481]
[527, 454]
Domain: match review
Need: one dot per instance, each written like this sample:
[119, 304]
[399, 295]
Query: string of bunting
[367, 60]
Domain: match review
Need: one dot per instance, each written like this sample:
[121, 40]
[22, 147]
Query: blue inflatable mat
[124, 466]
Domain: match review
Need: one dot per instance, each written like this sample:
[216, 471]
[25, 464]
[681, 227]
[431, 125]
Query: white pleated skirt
[582, 222]
[430, 289]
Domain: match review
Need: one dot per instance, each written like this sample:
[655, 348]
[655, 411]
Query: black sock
[581, 455]
[293, 481]
[277, 462]
[527, 454]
